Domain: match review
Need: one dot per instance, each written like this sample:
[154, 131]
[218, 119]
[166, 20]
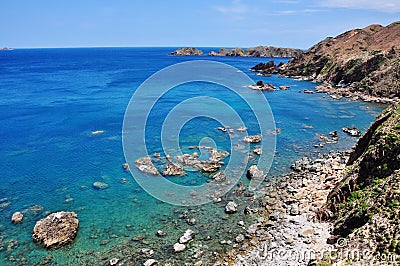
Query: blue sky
[227, 23]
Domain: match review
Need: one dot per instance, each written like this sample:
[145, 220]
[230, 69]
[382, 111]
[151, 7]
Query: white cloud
[297, 11]
[392, 6]
[235, 8]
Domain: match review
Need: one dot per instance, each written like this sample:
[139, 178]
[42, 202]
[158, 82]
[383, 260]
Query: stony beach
[288, 231]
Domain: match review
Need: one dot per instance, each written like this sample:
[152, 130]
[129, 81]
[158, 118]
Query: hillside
[361, 60]
[364, 205]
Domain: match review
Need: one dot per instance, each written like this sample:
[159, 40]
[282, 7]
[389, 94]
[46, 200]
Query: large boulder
[56, 230]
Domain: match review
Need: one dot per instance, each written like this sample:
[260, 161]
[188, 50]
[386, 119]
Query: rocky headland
[187, 51]
[360, 63]
[259, 51]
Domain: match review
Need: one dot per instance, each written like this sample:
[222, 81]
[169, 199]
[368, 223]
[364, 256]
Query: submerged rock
[145, 165]
[56, 230]
[231, 207]
[17, 217]
[220, 176]
[100, 185]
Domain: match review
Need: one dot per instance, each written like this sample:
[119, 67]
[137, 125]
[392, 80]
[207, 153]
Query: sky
[176, 23]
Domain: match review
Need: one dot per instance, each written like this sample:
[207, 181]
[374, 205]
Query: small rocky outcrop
[252, 139]
[212, 164]
[56, 230]
[17, 217]
[352, 131]
[173, 169]
[187, 51]
[145, 165]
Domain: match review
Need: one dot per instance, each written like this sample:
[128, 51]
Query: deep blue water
[52, 99]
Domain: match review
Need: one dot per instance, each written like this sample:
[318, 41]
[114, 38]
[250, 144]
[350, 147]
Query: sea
[52, 102]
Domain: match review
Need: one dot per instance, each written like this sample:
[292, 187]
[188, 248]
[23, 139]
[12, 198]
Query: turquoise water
[52, 99]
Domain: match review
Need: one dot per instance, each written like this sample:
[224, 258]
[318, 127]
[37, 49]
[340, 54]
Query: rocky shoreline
[290, 230]
[360, 64]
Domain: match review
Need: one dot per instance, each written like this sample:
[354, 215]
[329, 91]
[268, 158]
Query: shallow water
[52, 99]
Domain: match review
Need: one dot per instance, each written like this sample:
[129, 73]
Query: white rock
[187, 236]
[178, 247]
[150, 262]
[231, 207]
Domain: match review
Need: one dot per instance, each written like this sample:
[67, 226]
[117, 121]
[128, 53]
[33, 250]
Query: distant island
[259, 51]
[357, 63]
[6, 49]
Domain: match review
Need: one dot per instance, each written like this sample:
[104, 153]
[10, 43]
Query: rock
[125, 166]
[17, 217]
[187, 236]
[242, 129]
[145, 165]
[352, 131]
[294, 210]
[178, 247]
[220, 176]
[212, 164]
[262, 87]
[187, 51]
[307, 232]
[150, 262]
[239, 238]
[231, 207]
[173, 169]
[252, 139]
[191, 221]
[100, 185]
[160, 233]
[147, 252]
[56, 230]
[257, 150]
[241, 223]
[114, 261]
[254, 173]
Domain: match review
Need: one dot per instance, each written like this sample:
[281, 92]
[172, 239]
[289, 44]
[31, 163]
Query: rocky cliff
[365, 60]
[364, 205]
